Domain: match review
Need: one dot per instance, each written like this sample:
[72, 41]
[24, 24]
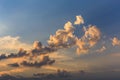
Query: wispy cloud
[9, 43]
[17, 70]
[102, 49]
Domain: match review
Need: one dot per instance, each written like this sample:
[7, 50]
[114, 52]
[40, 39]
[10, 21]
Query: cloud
[20, 53]
[92, 34]
[37, 45]
[63, 38]
[3, 65]
[33, 61]
[14, 65]
[37, 56]
[10, 44]
[18, 70]
[88, 40]
[102, 49]
[38, 63]
[115, 41]
[37, 50]
[50, 68]
[79, 20]
[82, 48]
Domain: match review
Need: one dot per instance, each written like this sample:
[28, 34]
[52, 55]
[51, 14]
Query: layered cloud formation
[39, 55]
[63, 38]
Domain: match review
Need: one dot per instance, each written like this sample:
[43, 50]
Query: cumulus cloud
[93, 34]
[88, 40]
[79, 20]
[63, 38]
[82, 47]
[115, 41]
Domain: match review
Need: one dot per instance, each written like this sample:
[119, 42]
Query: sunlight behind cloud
[9, 43]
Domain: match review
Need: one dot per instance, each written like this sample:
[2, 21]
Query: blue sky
[32, 20]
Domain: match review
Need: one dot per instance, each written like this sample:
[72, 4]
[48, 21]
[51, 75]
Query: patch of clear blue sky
[37, 19]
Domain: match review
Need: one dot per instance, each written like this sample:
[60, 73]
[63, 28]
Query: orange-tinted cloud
[79, 20]
[88, 40]
[115, 41]
[17, 70]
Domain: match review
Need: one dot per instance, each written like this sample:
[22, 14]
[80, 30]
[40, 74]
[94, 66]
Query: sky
[91, 26]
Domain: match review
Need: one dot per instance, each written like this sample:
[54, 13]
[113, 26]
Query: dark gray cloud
[20, 53]
[14, 65]
[45, 61]
[37, 50]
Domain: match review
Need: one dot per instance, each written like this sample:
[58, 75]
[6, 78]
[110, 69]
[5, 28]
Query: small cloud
[115, 41]
[37, 45]
[79, 20]
[102, 49]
